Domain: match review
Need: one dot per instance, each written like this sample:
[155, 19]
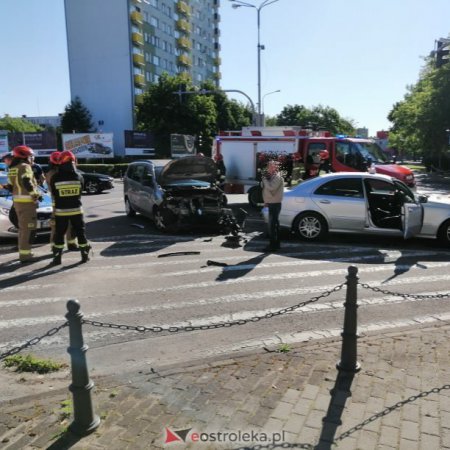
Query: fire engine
[302, 154]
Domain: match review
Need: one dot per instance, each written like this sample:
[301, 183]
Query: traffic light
[442, 52]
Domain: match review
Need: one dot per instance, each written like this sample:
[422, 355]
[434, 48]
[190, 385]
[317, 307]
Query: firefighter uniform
[25, 199]
[66, 186]
[71, 238]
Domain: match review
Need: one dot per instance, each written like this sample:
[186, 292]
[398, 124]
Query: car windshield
[370, 151]
[4, 192]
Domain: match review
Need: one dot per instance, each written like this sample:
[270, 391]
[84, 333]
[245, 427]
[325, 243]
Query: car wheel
[92, 187]
[444, 233]
[255, 196]
[165, 220]
[310, 226]
[129, 211]
[13, 217]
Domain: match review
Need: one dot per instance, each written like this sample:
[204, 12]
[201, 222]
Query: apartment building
[117, 47]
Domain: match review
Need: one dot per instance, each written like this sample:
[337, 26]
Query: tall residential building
[117, 47]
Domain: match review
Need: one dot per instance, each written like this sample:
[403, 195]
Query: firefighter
[221, 171]
[66, 186]
[70, 235]
[26, 196]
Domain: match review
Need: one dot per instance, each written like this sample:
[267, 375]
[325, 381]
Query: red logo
[176, 436]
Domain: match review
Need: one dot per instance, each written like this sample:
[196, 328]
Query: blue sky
[357, 56]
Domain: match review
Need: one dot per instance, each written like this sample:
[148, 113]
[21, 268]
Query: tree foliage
[76, 117]
[164, 113]
[18, 124]
[421, 119]
[317, 117]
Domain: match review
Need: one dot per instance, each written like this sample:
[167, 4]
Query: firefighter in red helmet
[26, 196]
[71, 238]
[66, 186]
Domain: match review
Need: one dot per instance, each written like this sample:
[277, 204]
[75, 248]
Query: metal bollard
[348, 362]
[85, 421]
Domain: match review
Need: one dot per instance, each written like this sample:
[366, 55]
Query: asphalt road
[140, 277]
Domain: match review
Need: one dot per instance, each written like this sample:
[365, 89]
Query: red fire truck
[302, 154]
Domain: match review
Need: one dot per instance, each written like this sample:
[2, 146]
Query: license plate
[44, 224]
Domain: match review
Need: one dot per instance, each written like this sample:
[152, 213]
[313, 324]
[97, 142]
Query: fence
[85, 420]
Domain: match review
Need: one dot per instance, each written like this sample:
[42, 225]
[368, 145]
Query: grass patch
[284, 348]
[29, 363]
[66, 410]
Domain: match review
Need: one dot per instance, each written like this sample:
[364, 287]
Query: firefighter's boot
[57, 255]
[85, 253]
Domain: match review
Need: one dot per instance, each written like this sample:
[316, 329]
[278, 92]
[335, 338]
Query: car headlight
[4, 211]
[409, 177]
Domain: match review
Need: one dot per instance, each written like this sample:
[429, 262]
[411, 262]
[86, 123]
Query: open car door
[412, 219]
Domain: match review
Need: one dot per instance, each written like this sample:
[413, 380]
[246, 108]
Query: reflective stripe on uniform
[23, 199]
[58, 246]
[24, 252]
[68, 212]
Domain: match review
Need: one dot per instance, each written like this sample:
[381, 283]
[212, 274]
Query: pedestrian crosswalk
[130, 282]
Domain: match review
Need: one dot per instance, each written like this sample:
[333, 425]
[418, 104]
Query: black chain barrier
[32, 342]
[389, 409]
[213, 326]
[398, 294]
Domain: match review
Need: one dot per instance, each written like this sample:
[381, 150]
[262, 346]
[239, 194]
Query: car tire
[444, 234]
[92, 187]
[255, 197]
[165, 220]
[310, 226]
[129, 211]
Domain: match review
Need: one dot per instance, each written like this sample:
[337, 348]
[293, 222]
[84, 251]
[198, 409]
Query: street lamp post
[238, 4]
[262, 101]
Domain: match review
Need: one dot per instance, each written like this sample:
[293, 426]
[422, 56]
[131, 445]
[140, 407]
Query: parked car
[8, 218]
[94, 183]
[3, 167]
[177, 194]
[363, 203]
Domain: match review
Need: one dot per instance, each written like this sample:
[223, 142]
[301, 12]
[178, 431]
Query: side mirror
[423, 198]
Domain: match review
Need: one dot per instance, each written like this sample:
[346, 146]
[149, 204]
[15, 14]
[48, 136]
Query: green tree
[318, 117]
[201, 115]
[420, 120]
[18, 124]
[76, 117]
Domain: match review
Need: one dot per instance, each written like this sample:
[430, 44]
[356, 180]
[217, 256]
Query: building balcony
[216, 17]
[138, 59]
[137, 38]
[183, 8]
[184, 60]
[217, 61]
[136, 17]
[138, 99]
[184, 43]
[216, 31]
[183, 25]
[217, 75]
[139, 80]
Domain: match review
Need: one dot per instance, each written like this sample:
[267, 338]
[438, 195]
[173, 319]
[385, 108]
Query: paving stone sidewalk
[399, 400]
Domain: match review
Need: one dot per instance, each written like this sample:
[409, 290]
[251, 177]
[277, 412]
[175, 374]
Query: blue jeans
[274, 224]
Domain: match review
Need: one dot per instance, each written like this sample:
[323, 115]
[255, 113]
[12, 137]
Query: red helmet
[66, 156]
[324, 154]
[54, 157]
[22, 152]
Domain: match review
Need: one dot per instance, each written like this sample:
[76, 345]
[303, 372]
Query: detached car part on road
[363, 203]
[179, 194]
[8, 218]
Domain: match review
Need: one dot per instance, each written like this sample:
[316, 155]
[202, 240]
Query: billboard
[89, 145]
[42, 142]
[182, 145]
[139, 143]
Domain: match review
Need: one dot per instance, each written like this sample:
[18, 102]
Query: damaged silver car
[178, 194]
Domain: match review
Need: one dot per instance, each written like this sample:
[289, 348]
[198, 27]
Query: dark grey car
[178, 194]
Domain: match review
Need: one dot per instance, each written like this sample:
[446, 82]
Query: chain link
[397, 294]
[389, 409]
[32, 342]
[213, 326]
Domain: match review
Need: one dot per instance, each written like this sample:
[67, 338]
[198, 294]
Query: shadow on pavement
[66, 441]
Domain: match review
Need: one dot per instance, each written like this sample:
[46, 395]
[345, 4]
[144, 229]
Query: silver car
[363, 203]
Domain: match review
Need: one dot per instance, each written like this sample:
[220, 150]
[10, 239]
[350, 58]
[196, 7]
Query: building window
[155, 78]
[155, 60]
[154, 21]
